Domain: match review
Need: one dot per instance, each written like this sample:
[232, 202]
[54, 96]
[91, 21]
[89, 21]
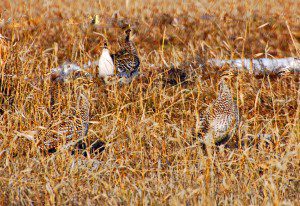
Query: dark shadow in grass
[81, 148]
[95, 148]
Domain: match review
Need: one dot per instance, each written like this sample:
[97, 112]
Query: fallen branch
[67, 70]
[260, 66]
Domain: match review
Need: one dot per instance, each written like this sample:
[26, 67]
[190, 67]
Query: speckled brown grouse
[67, 124]
[126, 60]
[220, 121]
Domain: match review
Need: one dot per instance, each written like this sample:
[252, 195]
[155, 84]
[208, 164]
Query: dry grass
[151, 155]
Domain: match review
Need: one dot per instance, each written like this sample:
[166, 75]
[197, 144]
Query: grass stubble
[151, 155]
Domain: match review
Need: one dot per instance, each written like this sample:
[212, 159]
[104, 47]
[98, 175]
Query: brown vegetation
[151, 155]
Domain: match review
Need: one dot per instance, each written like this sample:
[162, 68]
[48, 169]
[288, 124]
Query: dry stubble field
[152, 156]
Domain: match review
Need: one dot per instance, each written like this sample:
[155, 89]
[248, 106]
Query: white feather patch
[106, 65]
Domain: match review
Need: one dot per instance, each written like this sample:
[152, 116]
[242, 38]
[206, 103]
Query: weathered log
[260, 66]
[67, 70]
[256, 66]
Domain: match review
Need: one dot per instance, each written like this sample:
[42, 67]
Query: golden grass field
[152, 156]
